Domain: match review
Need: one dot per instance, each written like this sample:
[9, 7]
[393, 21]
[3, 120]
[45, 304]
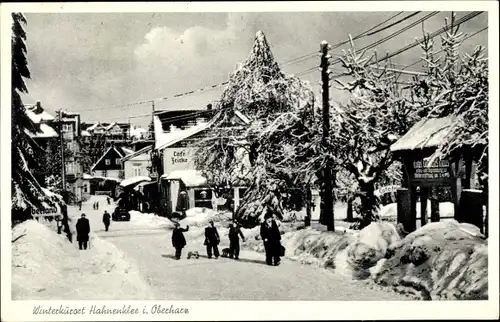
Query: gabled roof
[109, 127]
[426, 133]
[122, 152]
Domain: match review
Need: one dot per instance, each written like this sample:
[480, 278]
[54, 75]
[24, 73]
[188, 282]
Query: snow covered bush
[443, 260]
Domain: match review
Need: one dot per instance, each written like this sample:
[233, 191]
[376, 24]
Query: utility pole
[327, 196]
[152, 126]
[64, 208]
[63, 166]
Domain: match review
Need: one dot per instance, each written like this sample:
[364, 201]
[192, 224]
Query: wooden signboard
[436, 174]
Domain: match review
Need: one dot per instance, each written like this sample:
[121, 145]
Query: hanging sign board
[432, 174]
[50, 212]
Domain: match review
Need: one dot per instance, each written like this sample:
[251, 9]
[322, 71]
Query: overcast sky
[87, 61]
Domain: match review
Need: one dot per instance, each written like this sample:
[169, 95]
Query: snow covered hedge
[444, 260]
[46, 266]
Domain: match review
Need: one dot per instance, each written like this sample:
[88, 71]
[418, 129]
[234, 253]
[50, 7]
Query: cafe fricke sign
[178, 159]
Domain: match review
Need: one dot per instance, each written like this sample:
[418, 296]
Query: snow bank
[443, 260]
[199, 217]
[149, 220]
[46, 266]
[390, 211]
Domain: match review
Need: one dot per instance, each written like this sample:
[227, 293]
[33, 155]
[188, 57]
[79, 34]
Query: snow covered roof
[85, 133]
[137, 153]
[122, 152]
[140, 186]
[191, 178]
[109, 127]
[133, 180]
[127, 151]
[46, 131]
[164, 140]
[38, 114]
[427, 133]
[93, 127]
[137, 131]
[86, 176]
[107, 178]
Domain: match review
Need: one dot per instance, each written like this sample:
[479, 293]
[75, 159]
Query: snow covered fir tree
[279, 108]
[27, 192]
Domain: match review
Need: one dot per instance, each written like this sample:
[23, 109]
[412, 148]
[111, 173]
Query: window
[107, 161]
[117, 161]
[70, 167]
[67, 128]
[137, 171]
[85, 189]
[104, 173]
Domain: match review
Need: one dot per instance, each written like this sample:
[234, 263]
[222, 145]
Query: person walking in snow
[178, 239]
[212, 239]
[80, 205]
[270, 234]
[234, 240]
[82, 232]
[106, 219]
[97, 205]
[109, 200]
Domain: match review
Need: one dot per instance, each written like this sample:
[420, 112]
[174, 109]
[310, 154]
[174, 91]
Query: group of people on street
[96, 205]
[269, 232]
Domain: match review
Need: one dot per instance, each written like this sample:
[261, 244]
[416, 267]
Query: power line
[315, 53]
[441, 50]
[418, 41]
[337, 61]
[434, 34]
[292, 61]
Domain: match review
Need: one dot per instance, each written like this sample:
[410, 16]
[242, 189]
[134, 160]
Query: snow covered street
[146, 241]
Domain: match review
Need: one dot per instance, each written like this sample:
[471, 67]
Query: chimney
[38, 104]
[209, 107]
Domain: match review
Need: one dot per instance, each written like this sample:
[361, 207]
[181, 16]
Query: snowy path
[224, 279]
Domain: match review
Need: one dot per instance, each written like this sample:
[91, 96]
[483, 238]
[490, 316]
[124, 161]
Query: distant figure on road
[270, 234]
[82, 232]
[234, 240]
[80, 205]
[109, 200]
[94, 206]
[212, 239]
[178, 240]
[97, 205]
[106, 219]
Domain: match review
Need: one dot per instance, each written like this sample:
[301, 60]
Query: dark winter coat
[106, 218]
[211, 236]
[235, 233]
[271, 233]
[178, 240]
[83, 229]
